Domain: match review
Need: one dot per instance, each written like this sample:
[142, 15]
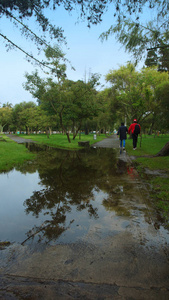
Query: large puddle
[68, 196]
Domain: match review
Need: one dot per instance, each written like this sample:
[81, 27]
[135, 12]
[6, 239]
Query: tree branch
[158, 47]
[41, 41]
[27, 54]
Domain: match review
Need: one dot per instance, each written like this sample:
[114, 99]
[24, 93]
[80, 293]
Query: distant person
[122, 132]
[134, 129]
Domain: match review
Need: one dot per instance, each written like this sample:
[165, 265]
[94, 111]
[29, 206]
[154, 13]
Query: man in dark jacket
[122, 135]
[134, 129]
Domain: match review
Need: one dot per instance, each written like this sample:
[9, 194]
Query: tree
[162, 94]
[35, 119]
[17, 11]
[139, 35]
[92, 10]
[125, 91]
[153, 80]
[55, 101]
[83, 105]
[137, 94]
[27, 119]
[164, 151]
[106, 114]
[19, 115]
[7, 105]
[159, 57]
[48, 92]
[71, 102]
[5, 117]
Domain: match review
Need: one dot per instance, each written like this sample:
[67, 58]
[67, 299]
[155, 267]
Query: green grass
[61, 141]
[12, 154]
[159, 184]
[160, 194]
[149, 147]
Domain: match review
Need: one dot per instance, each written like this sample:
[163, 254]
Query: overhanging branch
[26, 53]
[40, 40]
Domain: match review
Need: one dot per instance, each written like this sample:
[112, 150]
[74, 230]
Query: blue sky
[86, 53]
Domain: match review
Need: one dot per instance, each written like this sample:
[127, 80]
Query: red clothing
[132, 126]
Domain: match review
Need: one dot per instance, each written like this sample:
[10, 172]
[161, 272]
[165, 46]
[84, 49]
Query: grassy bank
[12, 154]
[143, 159]
[61, 141]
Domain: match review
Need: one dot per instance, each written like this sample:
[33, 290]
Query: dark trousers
[134, 137]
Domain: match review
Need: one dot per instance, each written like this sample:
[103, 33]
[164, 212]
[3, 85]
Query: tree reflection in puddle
[71, 180]
[78, 190]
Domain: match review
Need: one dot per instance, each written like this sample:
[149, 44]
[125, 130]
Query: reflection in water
[71, 179]
[73, 192]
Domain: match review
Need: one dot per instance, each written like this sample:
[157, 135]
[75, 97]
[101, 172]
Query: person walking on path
[122, 132]
[134, 129]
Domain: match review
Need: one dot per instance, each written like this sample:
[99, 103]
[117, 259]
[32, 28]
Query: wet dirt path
[19, 139]
[131, 262]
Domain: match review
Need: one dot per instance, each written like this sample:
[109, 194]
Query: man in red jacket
[135, 130]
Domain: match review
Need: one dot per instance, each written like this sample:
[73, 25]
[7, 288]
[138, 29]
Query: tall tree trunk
[50, 131]
[27, 130]
[140, 139]
[68, 137]
[73, 127]
[86, 129]
[76, 132]
[151, 128]
[47, 132]
[63, 128]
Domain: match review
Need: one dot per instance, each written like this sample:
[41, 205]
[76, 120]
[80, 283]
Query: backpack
[137, 129]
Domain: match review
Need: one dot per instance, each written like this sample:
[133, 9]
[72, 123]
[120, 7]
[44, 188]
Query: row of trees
[69, 107]
[133, 94]
[66, 105]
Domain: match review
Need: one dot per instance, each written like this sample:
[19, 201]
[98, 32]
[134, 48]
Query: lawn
[149, 146]
[12, 154]
[61, 141]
